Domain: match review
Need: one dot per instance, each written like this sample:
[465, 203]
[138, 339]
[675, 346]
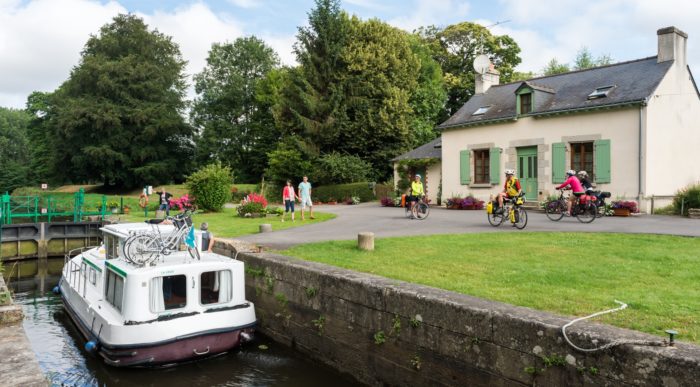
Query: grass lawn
[227, 224]
[571, 274]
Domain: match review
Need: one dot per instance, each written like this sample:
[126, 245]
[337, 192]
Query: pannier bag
[489, 208]
[403, 200]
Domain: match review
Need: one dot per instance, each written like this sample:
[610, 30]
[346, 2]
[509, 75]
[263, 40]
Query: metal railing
[48, 207]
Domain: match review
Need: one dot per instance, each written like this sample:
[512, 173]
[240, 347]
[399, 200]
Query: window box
[621, 212]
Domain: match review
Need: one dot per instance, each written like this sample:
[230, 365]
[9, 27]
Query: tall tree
[43, 166]
[455, 48]
[553, 67]
[14, 149]
[585, 60]
[429, 98]
[119, 117]
[313, 94]
[237, 127]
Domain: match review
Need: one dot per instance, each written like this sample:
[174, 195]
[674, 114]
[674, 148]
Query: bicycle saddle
[154, 221]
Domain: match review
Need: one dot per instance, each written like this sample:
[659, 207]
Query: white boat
[176, 308]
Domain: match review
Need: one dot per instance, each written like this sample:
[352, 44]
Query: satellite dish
[482, 64]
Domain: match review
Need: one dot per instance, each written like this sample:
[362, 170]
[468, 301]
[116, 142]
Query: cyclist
[417, 192]
[511, 189]
[583, 178]
[575, 185]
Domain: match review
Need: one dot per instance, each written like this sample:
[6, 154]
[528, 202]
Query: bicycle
[143, 248]
[420, 210]
[512, 208]
[584, 212]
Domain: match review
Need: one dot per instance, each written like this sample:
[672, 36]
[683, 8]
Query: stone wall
[388, 332]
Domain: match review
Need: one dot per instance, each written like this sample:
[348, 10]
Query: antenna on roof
[498, 23]
[482, 63]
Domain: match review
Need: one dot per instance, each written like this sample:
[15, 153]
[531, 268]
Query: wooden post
[265, 227]
[365, 241]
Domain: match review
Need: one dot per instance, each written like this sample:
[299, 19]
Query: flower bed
[468, 203]
[624, 207]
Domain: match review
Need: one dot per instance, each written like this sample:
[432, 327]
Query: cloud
[40, 42]
[246, 3]
[284, 46]
[430, 12]
[369, 4]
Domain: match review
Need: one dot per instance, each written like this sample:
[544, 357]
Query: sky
[41, 40]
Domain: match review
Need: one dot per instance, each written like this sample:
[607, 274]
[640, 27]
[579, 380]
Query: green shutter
[558, 162]
[601, 164]
[495, 165]
[465, 176]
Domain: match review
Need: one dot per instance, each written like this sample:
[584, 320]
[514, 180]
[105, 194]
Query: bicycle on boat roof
[512, 208]
[146, 247]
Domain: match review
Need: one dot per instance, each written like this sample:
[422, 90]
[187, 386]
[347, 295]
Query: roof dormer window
[525, 103]
[481, 110]
[601, 92]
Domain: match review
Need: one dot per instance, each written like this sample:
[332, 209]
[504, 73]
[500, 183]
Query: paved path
[388, 222]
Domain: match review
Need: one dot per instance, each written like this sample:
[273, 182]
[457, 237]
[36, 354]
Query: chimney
[672, 43]
[483, 82]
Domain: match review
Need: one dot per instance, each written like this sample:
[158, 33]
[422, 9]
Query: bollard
[365, 241]
[265, 227]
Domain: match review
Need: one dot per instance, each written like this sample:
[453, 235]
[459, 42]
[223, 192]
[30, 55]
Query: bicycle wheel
[496, 218]
[600, 210]
[520, 218]
[555, 210]
[587, 213]
[422, 211]
[408, 210]
[142, 249]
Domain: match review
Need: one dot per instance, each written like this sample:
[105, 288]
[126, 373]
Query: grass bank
[228, 224]
[571, 274]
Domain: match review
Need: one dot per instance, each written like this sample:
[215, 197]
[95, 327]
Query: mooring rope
[612, 343]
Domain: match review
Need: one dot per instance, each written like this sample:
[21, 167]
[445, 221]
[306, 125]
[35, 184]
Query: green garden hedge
[340, 192]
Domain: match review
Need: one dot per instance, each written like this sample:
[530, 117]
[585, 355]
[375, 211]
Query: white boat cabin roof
[123, 230]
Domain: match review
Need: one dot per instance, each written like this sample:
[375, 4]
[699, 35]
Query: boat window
[111, 246]
[114, 287]
[168, 292]
[215, 287]
[93, 276]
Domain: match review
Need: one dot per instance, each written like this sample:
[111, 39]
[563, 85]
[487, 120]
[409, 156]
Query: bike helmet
[418, 176]
[571, 172]
[583, 173]
[510, 172]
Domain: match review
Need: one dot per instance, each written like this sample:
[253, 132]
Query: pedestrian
[305, 197]
[164, 200]
[207, 238]
[288, 197]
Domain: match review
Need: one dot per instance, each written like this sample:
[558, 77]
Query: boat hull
[192, 347]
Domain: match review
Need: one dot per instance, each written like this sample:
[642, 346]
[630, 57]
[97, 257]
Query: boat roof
[123, 230]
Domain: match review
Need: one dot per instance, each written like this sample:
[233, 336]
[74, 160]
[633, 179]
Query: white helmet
[583, 173]
[571, 172]
[510, 172]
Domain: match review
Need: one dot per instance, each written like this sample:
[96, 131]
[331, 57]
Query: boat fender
[90, 346]
[246, 337]
[56, 290]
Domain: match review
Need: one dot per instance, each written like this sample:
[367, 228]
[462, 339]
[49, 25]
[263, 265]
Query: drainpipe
[642, 153]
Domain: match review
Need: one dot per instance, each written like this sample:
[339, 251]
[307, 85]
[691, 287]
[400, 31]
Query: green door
[527, 171]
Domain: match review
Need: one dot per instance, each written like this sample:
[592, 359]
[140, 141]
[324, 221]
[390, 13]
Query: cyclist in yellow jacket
[511, 189]
[417, 191]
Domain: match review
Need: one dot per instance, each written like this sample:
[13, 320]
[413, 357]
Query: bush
[341, 192]
[250, 208]
[337, 168]
[689, 197]
[286, 163]
[27, 191]
[210, 186]
[239, 194]
[387, 201]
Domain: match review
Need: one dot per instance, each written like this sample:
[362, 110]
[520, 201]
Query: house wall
[672, 134]
[433, 174]
[620, 126]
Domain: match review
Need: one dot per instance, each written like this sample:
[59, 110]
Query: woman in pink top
[576, 188]
[288, 197]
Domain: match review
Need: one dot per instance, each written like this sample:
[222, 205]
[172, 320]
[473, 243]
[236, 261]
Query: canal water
[59, 349]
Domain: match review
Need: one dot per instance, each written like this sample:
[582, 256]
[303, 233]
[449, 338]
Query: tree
[554, 67]
[43, 166]
[237, 127]
[119, 117]
[522, 76]
[14, 149]
[428, 100]
[455, 48]
[584, 59]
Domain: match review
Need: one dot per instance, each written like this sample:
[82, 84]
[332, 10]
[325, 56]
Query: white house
[633, 126]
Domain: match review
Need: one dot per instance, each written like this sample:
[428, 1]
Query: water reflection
[59, 349]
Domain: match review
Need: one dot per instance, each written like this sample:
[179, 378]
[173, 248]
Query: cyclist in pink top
[576, 188]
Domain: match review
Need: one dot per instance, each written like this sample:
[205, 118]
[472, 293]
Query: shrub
[689, 197]
[255, 198]
[342, 191]
[237, 194]
[250, 208]
[27, 191]
[387, 201]
[210, 186]
[337, 168]
[286, 162]
[182, 203]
